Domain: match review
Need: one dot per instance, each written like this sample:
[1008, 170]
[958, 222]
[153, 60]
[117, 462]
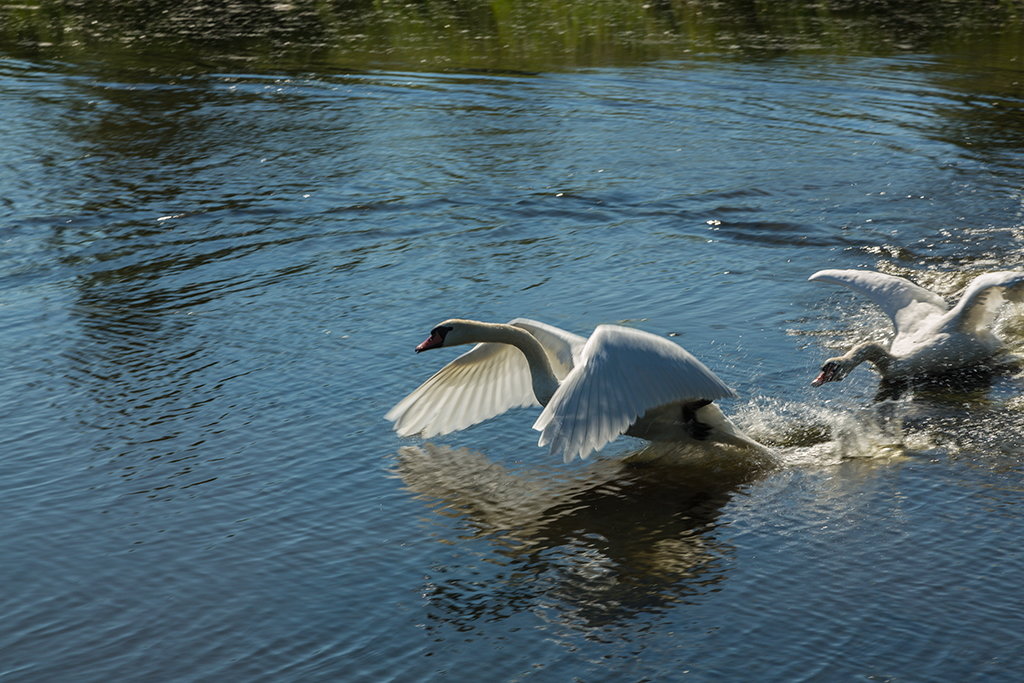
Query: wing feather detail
[906, 304]
[621, 375]
[982, 298]
[486, 381]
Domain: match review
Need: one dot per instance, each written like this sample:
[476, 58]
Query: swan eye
[830, 372]
[436, 338]
[440, 332]
[834, 371]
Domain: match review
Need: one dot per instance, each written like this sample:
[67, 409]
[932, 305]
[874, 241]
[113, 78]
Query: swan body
[931, 338]
[617, 381]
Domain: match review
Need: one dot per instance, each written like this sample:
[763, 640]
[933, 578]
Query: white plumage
[619, 381]
[930, 337]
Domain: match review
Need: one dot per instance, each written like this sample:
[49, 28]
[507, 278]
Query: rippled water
[212, 279]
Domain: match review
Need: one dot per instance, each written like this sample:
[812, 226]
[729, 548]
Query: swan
[931, 338]
[617, 381]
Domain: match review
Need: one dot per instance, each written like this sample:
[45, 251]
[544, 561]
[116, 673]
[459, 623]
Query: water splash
[804, 434]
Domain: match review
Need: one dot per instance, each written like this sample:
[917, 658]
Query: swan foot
[694, 427]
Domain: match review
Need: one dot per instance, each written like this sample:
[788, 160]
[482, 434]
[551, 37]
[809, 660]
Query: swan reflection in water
[595, 546]
[964, 385]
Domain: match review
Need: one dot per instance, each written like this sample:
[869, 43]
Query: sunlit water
[211, 285]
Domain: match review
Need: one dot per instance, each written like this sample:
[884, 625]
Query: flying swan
[619, 381]
[930, 337]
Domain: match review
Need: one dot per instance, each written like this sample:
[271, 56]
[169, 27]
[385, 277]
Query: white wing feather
[622, 374]
[981, 300]
[486, 381]
[906, 304]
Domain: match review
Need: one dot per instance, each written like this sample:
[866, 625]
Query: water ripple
[211, 282]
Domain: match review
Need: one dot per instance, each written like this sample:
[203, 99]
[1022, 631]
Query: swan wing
[486, 381]
[621, 375]
[906, 304]
[563, 348]
[976, 310]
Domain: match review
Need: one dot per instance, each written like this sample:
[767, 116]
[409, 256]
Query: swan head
[834, 370]
[452, 333]
[437, 337]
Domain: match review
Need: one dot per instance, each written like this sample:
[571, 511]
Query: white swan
[619, 381]
[930, 337]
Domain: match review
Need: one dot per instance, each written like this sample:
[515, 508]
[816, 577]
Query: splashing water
[803, 434]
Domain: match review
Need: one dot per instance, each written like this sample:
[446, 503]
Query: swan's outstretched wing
[622, 374]
[906, 304]
[488, 380]
[977, 308]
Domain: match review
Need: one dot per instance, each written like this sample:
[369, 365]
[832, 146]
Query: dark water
[223, 230]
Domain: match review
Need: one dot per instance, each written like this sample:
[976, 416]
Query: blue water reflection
[215, 266]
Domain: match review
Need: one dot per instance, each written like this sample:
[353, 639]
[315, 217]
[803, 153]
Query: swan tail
[723, 429]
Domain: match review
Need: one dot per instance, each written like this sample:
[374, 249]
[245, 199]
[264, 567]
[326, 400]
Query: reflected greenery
[497, 34]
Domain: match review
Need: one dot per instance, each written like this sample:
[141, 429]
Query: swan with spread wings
[618, 381]
[931, 338]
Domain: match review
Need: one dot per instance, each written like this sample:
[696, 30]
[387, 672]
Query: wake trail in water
[804, 434]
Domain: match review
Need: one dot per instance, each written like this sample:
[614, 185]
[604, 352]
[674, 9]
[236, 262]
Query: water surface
[222, 239]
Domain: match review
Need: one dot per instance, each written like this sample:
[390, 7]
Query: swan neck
[873, 353]
[543, 378]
